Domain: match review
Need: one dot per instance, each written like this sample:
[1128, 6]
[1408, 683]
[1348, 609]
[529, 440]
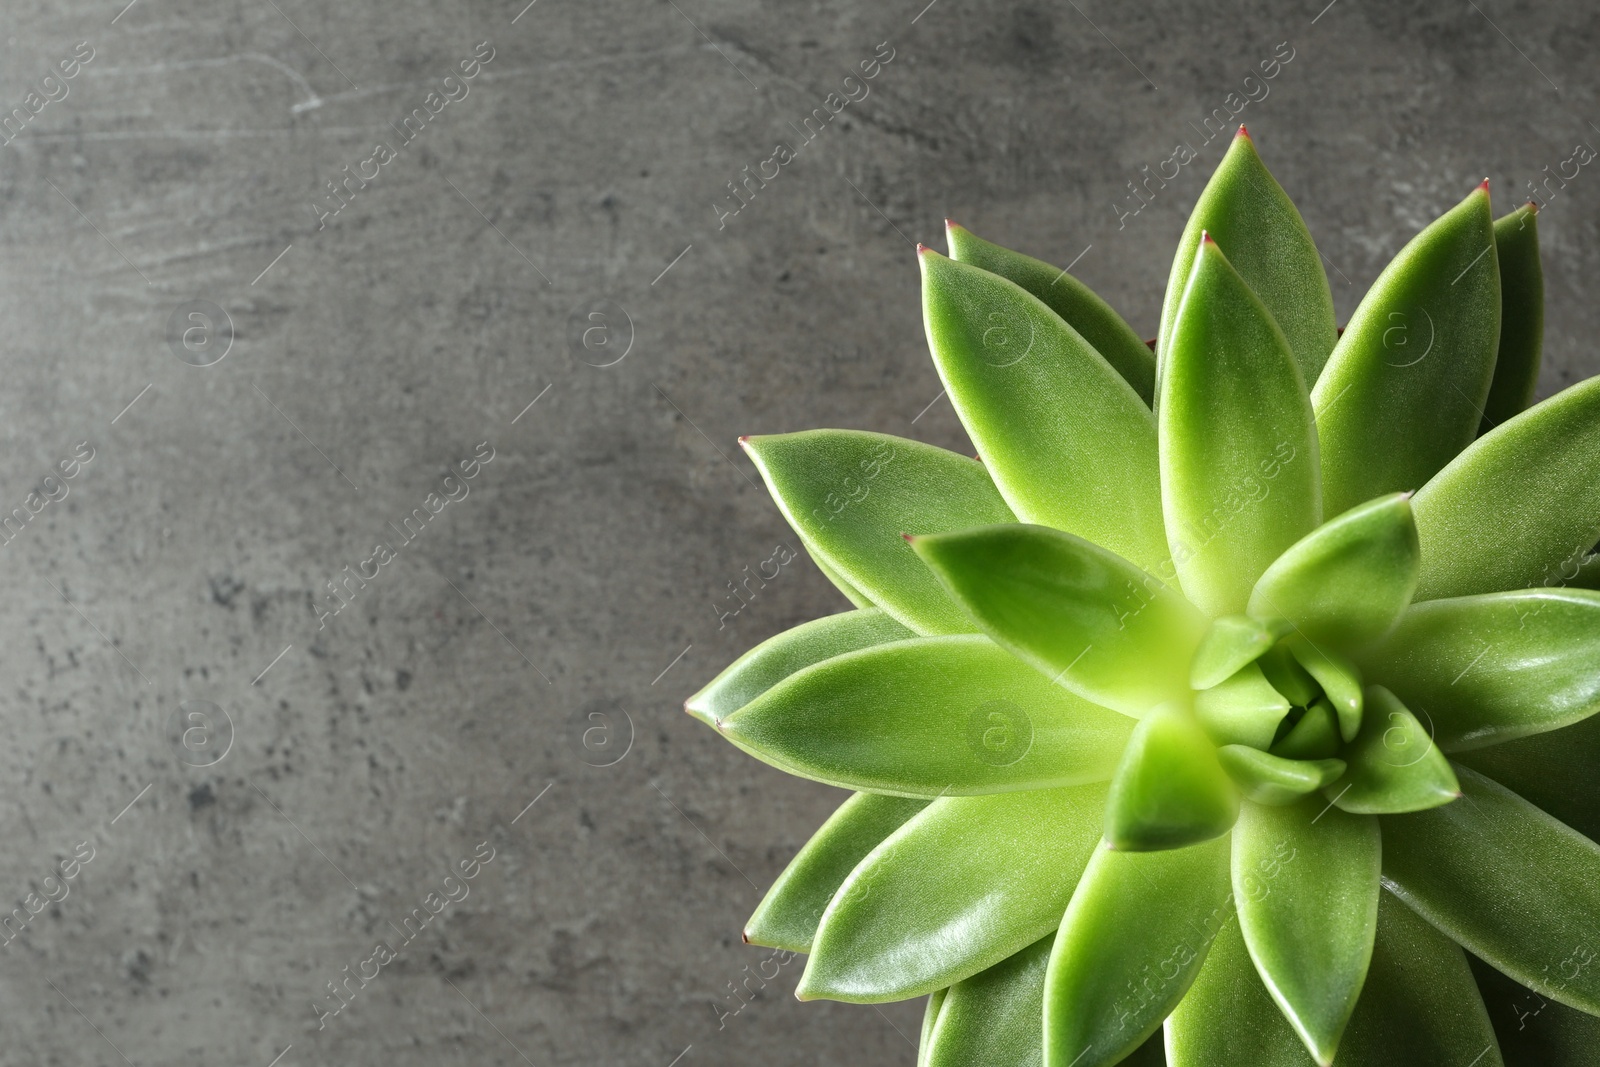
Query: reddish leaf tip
[922, 249]
[744, 935]
[1206, 238]
[952, 224]
[910, 539]
[1484, 185]
[1533, 206]
[1243, 132]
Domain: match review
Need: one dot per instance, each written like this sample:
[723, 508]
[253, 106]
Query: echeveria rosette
[1238, 691]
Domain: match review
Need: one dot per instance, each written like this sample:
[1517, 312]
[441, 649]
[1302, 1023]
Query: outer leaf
[1238, 447]
[1495, 667]
[1521, 507]
[1394, 764]
[778, 657]
[1339, 679]
[1250, 215]
[1554, 771]
[1231, 643]
[1076, 303]
[1347, 581]
[993, 1017]
[851, 593]
[1533, 1031]
[930, 1019]
[1418, 1008]
[851, 494]
[1306, 881]
[1404, 389]
[1508, 883]
[1244, 710]
[932, 716]
[1516, 367]
[1227, 1018]
[963, 885]
[1268, 779]
[787, 916]
[1069, 442]
[1130, 944]
[1169, 790]
[1107, 630]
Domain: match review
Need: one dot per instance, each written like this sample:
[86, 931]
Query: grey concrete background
[553, 620]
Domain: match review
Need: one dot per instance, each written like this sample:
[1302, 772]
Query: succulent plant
[1236, 687]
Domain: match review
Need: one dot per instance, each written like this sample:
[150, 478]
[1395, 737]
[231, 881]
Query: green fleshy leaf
[850, 495]
[787, 916]
[1069, 443]
[1588, 576]
[851, 593]
[1339, 679]
[1169, 790]
[1404, 389]
[1288, 677]
[1314, 737]
[1508, 883]
[1521, 507]
[1395, 766]
[953, 892]
[1268, 779]
[1496, 667]
[778, 657]
[1516, 367]
[1305, 878]
[993, 1017]
[1078, 305]
[1244, 710]
[932, 716]
[1107, 630]
[1533, 1031]
[1228, 1019]
[1347, 581]
[1418, 1007]
[1231, 643]
[930, 1019]
[1239, 470]
[1245, 210]
[1554, 771]
[1130, 944]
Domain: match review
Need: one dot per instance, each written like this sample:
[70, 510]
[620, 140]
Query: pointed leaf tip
[1243, 132]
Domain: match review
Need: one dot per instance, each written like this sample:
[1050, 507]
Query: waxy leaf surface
[1239, 471]
[1495, 667]
[931, 716]
[1516, 367]
[1078, 305]
[1403, 391]
[1268, 779]
[960, 887]
[851, 494]
[1131, 941]
[1347, 581]
[787, 916]
[1068, 441]
[1247, 212]
[1508, 883]
[1232, 642]
[1519, 508]
[1244, 710]
[1305, 879]
[1394, 764]
[1081, 615]
[1169, 790]
[778, 657]
[994, 1016]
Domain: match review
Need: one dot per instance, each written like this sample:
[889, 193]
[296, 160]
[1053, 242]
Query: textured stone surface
[537, 628]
